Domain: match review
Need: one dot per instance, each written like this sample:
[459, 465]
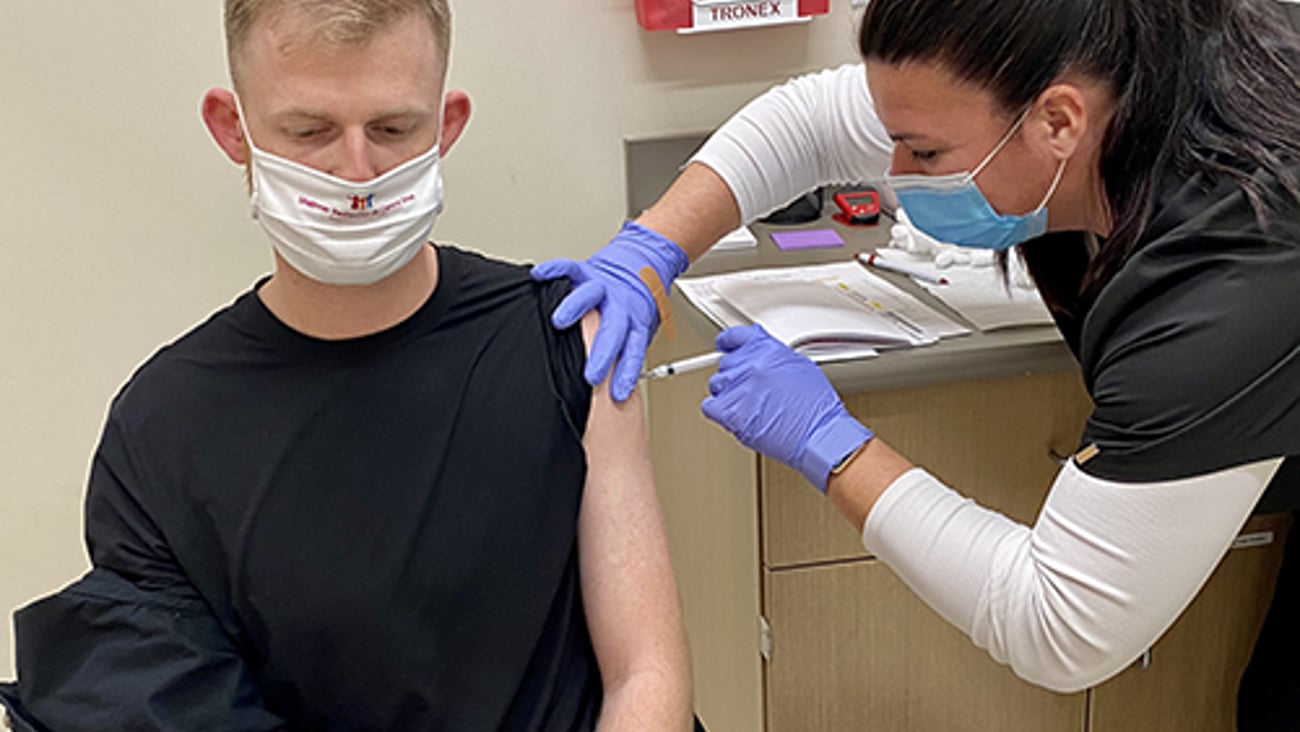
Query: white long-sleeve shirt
[815, 130]
[1072, 600]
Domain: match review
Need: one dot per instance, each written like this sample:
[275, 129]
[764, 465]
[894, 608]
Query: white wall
[124, 226]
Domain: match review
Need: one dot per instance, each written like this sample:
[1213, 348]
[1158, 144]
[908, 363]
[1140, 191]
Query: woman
[1145, 157]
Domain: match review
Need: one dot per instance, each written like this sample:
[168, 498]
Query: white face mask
[340, 232]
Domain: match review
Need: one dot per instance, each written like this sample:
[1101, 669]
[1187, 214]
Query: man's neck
[338, 312]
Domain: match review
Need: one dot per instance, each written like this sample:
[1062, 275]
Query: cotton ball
[901, 237]
[944, 259]
[924, 243]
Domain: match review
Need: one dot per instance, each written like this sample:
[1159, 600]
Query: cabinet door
[852, 648]
[707, 487]
[991, 440]
[1190, 682]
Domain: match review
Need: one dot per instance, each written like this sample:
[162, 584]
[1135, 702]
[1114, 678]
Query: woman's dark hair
[1200, 85]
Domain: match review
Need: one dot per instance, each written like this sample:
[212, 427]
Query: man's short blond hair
[336, 22]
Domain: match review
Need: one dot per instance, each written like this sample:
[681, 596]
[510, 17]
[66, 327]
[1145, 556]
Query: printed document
[829, 312]
[979, 293]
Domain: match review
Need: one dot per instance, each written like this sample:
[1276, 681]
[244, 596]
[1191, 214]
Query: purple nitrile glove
[779, 403]
[610, 280]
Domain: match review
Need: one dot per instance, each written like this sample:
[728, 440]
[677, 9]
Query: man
[374, 492]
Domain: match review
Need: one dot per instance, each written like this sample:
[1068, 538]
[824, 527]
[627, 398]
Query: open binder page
[980, 294]
[828, 312]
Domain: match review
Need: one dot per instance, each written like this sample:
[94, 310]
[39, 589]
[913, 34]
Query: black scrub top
[1191, 350]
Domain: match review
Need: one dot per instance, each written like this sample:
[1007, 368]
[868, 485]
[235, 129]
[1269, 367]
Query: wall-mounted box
[697, 16]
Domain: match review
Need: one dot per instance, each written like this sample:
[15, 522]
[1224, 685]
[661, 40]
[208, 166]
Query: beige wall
[123, 225]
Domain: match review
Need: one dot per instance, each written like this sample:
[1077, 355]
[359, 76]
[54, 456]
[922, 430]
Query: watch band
[829, 446]
[839, 467]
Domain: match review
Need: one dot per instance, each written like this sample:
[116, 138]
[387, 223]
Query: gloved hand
[904, 235]
[779, 403]
[610, 280]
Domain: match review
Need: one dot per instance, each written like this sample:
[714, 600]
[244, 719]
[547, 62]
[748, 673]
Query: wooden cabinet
[767, 566]
[853, 649]
[1188, 683]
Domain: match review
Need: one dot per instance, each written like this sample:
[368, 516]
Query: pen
[694, 363]
[872, 260]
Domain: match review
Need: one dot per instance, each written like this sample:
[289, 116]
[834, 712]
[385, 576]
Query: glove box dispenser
[695, 16]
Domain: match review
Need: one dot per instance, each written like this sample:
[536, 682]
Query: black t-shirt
[1191, 351]
[381, 533]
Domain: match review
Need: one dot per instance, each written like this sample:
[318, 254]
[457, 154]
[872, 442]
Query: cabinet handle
[1057, 457]
[1254, 538]
[1243, 541]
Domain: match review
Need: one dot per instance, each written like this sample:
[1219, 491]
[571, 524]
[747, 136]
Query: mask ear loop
[243, 125]
[1002, 143]
[1060, 171]
[252, 155]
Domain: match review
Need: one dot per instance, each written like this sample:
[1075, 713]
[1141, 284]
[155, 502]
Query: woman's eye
[923, 154]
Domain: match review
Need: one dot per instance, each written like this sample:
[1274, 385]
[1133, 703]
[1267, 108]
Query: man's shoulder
[473, 260]
[173, 370]
[523, 306]
[478, 271]
[485, 279]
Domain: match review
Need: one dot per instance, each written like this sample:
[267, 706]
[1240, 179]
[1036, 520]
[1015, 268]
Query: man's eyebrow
[401, 113]
[304, 113]
[300, 113]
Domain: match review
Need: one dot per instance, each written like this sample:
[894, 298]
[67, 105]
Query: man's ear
[221, 115]
[455, 116]
[1064, 119]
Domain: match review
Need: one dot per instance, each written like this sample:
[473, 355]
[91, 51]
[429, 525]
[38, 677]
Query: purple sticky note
[807, 239]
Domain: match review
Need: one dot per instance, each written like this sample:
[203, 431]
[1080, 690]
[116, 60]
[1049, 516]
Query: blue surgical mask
[951, 208]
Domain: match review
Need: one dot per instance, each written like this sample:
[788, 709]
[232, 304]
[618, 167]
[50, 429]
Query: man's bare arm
[629, 593]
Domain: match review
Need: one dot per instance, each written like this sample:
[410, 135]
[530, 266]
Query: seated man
[373, 493]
